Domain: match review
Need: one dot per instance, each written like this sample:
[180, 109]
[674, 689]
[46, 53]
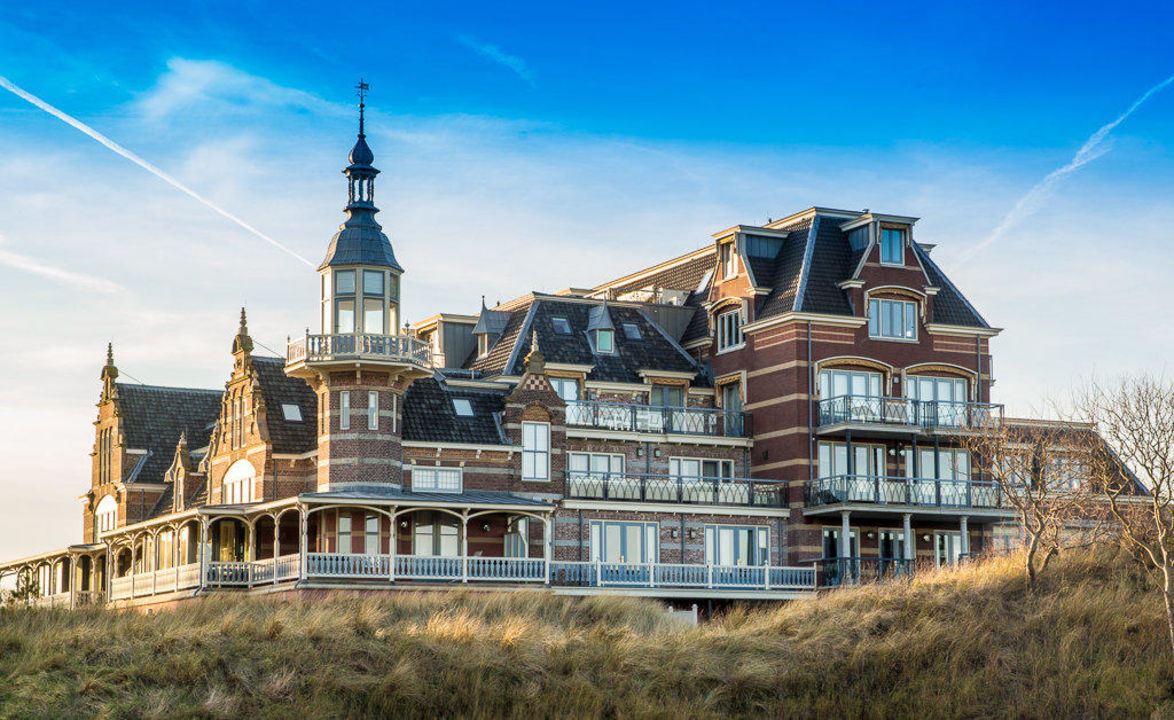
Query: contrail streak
[67, 277]
[1092, 149]
[7, 85]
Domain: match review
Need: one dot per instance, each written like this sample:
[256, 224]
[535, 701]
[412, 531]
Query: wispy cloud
[497, 55]
[77, 280]
[1096, 146]
[190, 83]
[78, 124]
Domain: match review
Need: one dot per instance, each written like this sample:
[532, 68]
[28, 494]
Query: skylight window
[463, 407]
[291, 412]
[632, 331]
[561, 325]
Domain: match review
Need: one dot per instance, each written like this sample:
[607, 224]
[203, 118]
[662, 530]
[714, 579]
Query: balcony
[398, 349]
[656, 419]
[904, 492]
[905, 414]
[652, 488]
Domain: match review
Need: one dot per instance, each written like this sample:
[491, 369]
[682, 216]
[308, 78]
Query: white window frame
[438, 479]
[611, 335]
[727, 258]
[372, 409]
[713, 543]
[344, 410]
[371, 532]
[901, 233]
[876, 321]
[615, 463]
[291, 412]
[340, 547]
[729, 330]
[680, 467]
[106, 514]
[536, 451]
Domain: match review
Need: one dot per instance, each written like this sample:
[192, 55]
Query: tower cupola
[360, 275]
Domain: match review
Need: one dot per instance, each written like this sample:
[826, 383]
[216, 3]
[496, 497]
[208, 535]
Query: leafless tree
[1040, 470]
[1135, 416]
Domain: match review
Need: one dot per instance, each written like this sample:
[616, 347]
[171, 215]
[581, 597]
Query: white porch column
[392, 542]
[845, 535]
[303, 539]
[72, 581]
[965, 547]
[547, 544]
[465, 546]
[276, 544]
[133, 546]
[203, 551]
[907, 520]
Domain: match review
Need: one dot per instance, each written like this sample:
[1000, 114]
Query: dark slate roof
[829, 266]
[164, 504]
[784, 276]
[153, 418]
[482, 497]
[950, 307]
[653, 351]
[699, 323]
[429, 415]
[280, 389]
[360, 241]
[498, 356]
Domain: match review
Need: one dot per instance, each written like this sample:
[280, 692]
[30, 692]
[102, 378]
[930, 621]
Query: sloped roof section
[278, 389]
[785, 273]
[153, 418]
[829, 264]
[654, 350]
[950, 307]
[684, 274]
[494, 362]
[429, 414]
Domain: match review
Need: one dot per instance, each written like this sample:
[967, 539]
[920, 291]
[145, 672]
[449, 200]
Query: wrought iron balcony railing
[928, 414]
[658, 419]
[359, 346]
[923, 492]
[642, 487]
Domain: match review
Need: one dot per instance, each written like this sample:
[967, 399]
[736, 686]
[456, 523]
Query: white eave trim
[940, 329]
[478, 384]
[646, 372]
[841, 320]
[458, 446]
[295, 456]
[570, 367]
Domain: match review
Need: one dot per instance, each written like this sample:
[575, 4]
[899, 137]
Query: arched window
[106, 516]
[238, 483]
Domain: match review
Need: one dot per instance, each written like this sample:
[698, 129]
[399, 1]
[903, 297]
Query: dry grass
[969, 643]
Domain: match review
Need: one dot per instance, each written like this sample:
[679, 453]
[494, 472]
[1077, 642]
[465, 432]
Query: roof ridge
[144, 386]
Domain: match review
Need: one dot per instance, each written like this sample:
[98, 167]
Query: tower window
[729, 330]
[344, 282]
[372, 410]
[373, 282]
[344, 410]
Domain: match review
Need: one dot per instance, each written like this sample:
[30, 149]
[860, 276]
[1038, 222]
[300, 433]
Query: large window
[684, 467]
[831, 543]
[516, 543]
[436, 535]
[729, 330]
[892, 246]
[436, 479]
[624, 542]
[371, 544]
[736, 545]
[535, 451]
[582, 465]
[344, 301]
[892, 319]
[839, 383]
[869, 460]
[372, 410]
[364, 301]
[344, 410]
[238, 483]
[945, 398]
[107, 514]
[567, 388]
[672, 396]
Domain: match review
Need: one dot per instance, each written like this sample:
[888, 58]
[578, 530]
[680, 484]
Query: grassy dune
[970, 643]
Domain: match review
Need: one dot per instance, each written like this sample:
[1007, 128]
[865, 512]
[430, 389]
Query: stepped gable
[429, 414]
[153, 418]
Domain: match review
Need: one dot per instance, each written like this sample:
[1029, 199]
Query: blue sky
[540, 145]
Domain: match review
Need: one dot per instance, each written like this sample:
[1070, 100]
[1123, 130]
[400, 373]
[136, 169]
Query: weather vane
[362, 89]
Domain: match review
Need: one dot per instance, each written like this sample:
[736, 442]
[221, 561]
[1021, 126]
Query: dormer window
[561, 325]
[605, 341]
[892, 246]
[726, 259]
[729, 330]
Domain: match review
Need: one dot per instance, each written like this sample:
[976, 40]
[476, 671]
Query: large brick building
[749, 420]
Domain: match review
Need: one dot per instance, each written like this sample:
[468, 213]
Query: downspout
[810, 408]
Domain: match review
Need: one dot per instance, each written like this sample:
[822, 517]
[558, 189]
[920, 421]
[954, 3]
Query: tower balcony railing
[643, 487]
[628, 417]
[906, 412]
[905, 492]
[359, 346]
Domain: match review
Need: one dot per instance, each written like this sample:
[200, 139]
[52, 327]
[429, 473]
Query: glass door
[947, 548]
